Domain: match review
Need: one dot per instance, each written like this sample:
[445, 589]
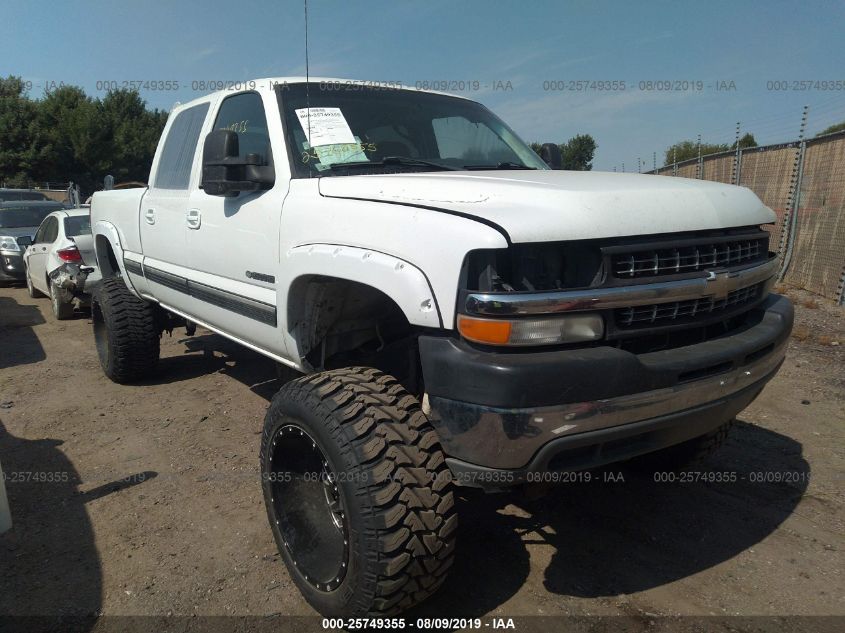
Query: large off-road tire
[125, 331]
[358, 494]
[687, 454]
[33, 292]
[62, 310]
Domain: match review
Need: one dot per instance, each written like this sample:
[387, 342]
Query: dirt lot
[155, 506]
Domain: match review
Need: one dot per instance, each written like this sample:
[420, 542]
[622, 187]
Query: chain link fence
[803, 182]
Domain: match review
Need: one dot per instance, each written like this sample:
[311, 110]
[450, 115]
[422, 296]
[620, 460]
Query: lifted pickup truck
[448, 311]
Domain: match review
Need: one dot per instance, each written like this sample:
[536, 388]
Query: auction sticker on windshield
[325, 126]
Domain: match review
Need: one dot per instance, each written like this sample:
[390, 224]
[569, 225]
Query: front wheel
[357, 491]
[126, 332]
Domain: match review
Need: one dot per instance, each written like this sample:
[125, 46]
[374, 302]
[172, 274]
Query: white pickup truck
[448, 309]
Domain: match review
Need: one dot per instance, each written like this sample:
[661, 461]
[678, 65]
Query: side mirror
[24, 241]
[550, 153]
[224, 173]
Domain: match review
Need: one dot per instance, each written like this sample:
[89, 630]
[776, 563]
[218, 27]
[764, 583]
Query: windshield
[22, 217]
[77, 225]
[371, 129]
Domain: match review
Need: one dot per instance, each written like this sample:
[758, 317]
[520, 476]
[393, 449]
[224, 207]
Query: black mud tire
[394, 487]
[62, 310]
[31, 290]
[126, 332]
[685, 455]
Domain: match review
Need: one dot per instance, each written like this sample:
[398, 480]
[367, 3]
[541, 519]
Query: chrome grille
[686, 259]
[667, 313]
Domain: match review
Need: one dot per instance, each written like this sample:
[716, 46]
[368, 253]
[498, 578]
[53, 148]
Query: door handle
[150, 216]
[193, 218]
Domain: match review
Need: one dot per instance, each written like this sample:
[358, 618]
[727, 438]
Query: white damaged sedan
[54, 261]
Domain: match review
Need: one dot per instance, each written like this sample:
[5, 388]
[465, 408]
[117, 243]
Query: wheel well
[338, 323]
[106, 258]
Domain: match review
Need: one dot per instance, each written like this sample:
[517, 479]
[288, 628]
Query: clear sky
[515, 56]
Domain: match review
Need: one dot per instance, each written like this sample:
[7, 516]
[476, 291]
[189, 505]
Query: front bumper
[12, 267]
[573, 409]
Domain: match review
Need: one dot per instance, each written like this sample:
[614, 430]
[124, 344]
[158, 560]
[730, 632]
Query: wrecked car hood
[533, 206]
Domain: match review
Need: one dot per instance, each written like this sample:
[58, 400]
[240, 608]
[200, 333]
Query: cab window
[180, 146]
[244, 113]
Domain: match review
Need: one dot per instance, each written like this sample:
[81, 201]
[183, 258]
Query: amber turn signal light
[490, 331]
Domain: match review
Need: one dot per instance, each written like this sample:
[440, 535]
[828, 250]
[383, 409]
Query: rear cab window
[180, 147]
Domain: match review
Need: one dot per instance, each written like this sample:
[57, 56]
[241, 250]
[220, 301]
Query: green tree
[67, 135]
[17, 131]
[838, 127]
[134, 133]
[685, 150]
[747, 140]
[576, 154]
[72, 141]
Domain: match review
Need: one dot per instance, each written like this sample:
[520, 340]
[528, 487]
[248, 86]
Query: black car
[19, 220]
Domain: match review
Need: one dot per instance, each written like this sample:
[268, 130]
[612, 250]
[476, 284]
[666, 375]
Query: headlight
[555, 330]
[8, 243]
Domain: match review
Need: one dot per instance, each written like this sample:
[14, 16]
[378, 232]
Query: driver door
[233, 242]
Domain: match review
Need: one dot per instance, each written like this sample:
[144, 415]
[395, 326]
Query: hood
[538, 206]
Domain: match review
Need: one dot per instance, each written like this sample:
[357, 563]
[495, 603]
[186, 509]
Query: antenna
[307, 81]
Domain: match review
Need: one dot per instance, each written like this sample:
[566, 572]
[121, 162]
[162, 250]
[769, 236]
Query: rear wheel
[61, 309]
[357, 491]
[126, 332]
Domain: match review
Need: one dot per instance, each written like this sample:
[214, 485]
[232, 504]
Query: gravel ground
[152, 505]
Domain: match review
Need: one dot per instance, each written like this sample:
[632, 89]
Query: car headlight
[554, 330]
[9, 243]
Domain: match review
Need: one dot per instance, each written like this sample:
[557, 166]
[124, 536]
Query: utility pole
[790, 216]
[698, 168]
[735, 170]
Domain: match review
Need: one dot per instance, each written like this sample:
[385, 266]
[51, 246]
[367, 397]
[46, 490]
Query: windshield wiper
[505, 165]
[393, 160]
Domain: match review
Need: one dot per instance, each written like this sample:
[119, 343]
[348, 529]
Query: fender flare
[110, 233]
[400, 280]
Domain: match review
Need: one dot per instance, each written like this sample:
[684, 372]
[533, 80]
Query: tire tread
[132, 329]
[409, 495]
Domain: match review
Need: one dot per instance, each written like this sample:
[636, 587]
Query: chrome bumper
[509, 438]
[717, 284]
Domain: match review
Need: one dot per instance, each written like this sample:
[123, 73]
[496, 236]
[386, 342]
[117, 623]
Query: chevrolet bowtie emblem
[718, 284]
